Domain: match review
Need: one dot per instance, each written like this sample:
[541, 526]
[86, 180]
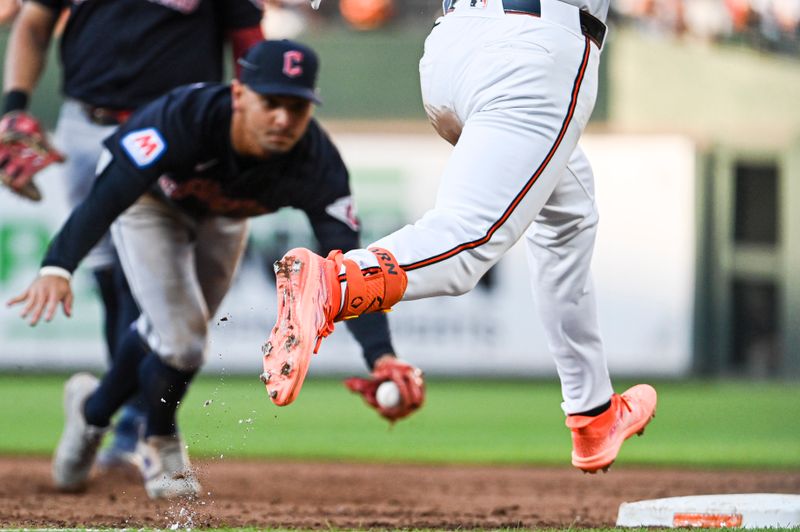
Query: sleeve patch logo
[144, 146]
[344, 210]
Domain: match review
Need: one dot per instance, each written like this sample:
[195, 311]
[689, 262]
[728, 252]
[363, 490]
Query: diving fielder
[180, 178]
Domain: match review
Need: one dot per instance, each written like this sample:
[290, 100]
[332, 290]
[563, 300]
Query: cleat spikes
[266, 349]
[301, 295]
[276, 266]
[265, 377]
[291, 341]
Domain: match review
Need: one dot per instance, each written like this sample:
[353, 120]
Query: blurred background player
[190, 168]
[116, 56]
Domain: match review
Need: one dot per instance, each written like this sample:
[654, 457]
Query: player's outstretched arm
[395, 388]
[43, 296]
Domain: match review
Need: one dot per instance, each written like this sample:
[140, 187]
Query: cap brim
[276, 89]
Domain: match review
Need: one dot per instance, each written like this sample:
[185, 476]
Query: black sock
[127, 309]
[119, 307]
[105, 285]
[372, 332]
[595, 411]
[119, 383]
[163, 387]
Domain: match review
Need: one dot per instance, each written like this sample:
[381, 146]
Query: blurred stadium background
[695, 142]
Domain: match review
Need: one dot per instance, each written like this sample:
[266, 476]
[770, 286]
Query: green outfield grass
[708, 424]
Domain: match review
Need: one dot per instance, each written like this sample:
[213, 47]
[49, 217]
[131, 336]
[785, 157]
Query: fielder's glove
[409, 382]
[24, 151]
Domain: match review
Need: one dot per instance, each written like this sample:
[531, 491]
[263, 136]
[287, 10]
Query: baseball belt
[591, 27]
[103, 116]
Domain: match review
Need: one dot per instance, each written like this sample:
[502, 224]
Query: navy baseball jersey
[178, 147]
[123, 53]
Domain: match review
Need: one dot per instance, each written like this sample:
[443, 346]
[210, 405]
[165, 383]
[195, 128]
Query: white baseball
[388, 395]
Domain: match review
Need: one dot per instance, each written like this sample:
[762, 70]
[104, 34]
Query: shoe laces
[326, 329]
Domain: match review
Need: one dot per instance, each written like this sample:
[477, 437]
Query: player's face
[270, 123]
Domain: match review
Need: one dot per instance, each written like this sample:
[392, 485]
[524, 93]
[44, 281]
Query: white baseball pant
[516, 92]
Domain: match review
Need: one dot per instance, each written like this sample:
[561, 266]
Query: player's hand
[24, 151]
[409, 381]
[43, 297]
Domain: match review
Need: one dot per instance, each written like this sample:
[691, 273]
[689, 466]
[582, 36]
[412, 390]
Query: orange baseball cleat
[596, 440]
[308, 300]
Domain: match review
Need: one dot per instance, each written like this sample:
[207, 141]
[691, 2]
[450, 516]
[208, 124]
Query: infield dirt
[341, 495]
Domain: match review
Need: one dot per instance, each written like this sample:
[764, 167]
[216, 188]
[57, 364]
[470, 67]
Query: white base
[746, 510]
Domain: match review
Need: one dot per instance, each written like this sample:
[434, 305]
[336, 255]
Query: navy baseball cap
[285, 68]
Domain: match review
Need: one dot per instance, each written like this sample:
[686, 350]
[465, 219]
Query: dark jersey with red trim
[179, 149]
[123, 53]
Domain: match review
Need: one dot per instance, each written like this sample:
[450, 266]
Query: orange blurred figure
[740, 13]
[366, 14]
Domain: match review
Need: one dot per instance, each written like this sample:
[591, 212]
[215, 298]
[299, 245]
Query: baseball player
[116, 56]
[190, 168]
[526, 73]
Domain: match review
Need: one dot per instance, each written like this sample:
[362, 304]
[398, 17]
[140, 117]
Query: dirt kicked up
[337, 495]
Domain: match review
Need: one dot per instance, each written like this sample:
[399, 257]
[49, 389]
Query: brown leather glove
[24, 151]
[409, 381]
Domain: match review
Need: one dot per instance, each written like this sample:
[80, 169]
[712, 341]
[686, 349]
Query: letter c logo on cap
[292, 61]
